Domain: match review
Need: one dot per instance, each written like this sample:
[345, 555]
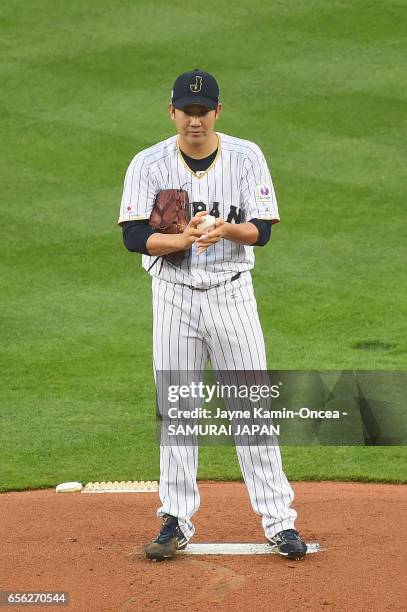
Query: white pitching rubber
[239, 549]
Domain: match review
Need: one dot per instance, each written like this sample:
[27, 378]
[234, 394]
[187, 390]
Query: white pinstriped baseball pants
[222, 323]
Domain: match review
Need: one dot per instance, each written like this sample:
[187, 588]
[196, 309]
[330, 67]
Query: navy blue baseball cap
[195, 87]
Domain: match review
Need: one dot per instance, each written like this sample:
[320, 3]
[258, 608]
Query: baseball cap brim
[207, 102]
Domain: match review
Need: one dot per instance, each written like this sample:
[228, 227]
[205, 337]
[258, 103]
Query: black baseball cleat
[289, 544]
[169, 540]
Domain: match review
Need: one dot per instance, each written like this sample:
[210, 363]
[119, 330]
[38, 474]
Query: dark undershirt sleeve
[136, 234]
[264, 228]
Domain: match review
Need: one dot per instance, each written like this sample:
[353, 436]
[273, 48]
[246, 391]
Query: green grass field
[85, 84]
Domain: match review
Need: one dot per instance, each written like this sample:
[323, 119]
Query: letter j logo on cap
[197, 86]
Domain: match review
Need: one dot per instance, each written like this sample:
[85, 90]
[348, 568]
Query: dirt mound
[92, 547]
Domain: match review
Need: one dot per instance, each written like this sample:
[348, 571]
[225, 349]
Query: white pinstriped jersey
[237, 187]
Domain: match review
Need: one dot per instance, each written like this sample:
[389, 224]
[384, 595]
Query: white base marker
[69, 487]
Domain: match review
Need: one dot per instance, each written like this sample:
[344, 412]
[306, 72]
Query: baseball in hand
[207, 223]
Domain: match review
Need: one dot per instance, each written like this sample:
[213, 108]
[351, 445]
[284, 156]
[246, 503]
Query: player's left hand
[211, 237]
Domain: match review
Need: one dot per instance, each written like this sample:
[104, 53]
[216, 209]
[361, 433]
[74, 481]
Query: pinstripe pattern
[232, 181]
[220, 324]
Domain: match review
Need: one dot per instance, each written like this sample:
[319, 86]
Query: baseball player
[204, 307]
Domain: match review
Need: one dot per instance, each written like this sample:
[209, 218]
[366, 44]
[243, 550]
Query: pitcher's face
[195, 123]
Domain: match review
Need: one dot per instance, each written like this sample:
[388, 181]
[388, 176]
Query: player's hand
[212, 237]
[191, 233]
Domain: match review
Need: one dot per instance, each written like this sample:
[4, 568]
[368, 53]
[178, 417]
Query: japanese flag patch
[263, 193]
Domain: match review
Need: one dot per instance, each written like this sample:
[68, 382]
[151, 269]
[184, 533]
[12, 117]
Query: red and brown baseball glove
[171, 215]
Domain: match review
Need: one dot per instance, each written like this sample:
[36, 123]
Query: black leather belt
[235, 277]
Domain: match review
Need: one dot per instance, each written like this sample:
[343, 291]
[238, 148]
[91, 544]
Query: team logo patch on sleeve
[263, 193]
